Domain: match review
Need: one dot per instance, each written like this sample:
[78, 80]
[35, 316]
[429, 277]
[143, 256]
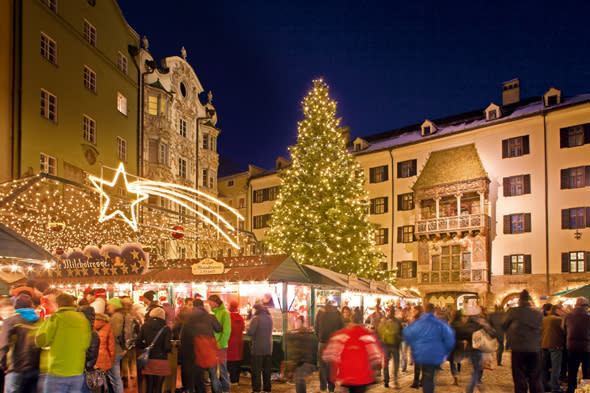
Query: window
[89, 79]
[122, 63]
[52, 4]
[552, 100]
[204, 178]
[406, 269]
[153, 105]
[574, 218]
[182, 127]
[517, 223]
[265, 194]
[378, 174]
[157, 152]
[163, 154]
[517, 185]
[261, 221]
[121, 149]
[182, 167]
[405, 201]
[48, 105]
[122, 103]
[230, 203]
[517, 264]
[379, 205]
[515, 147]
[406, 168]
[205, 141]
[405, 234]
[48, 164]
[426, 130]
[48, 48]
[242, 203]
[466, 260]
[574, 136]
[575, 262]
[450, 258]
[211, 182]
[89, 129]
[230, 183]
[575, 177]
[492, 114]
[181, 252]
[89, 33]
[381, 236]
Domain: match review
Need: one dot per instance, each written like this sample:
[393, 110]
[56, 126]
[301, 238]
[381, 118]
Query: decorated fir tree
[321, 215]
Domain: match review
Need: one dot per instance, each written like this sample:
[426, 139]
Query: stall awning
[340, 279]
[13, 245]
[565, 292]
[583, 291]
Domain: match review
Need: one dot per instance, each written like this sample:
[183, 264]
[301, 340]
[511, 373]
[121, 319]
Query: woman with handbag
[155, 337]
[475, 322]
[106, 350]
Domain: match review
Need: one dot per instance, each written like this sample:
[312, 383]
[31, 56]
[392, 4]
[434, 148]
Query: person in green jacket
[222, 338]
[67, 334]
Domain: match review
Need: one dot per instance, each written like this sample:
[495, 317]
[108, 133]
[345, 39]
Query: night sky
[388, 63]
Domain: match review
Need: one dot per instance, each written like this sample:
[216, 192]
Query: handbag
[484, 342]
[206, 351]
[144, 356]
[96, 378]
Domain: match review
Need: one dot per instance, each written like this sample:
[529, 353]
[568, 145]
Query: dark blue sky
[388, 63]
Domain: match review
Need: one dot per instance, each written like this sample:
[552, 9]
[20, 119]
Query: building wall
[6, 83]
[261, 208]
[63, 139]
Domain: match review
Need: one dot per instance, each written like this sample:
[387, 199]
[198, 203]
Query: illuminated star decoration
[100, 183]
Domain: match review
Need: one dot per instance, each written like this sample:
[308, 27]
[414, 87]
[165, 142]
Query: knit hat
[233, 306]
[115, 301]
[100, 292]
[158, 312]
[216, 299]
[23, 300]
[524, 295]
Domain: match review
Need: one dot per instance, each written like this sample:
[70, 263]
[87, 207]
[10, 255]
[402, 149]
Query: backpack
[389, 332]
[129, 332]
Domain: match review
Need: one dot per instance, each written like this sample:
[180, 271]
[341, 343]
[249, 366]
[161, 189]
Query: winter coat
[199, 322]
[235, 345]
[67, 333]
[523, 327]
[148, 332]
[390, 331]
[472, 325]
[149, 309]
[430, 338]
[496, 320]
[16, 335]
[106, 350]
[552, 332]
[92, 351]
[224, 319]
[116, 321]
[351, 363]
[327, 321]
[260, 329]
[577, 330]
[302, 346]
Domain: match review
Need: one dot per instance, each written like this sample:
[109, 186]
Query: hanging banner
[106, 261]
[208, 266]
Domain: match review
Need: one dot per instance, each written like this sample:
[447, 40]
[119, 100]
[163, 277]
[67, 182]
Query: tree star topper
[141, 196]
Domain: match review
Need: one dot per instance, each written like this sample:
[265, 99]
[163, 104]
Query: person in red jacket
[106, 350]
[354, 353]
[235, 345]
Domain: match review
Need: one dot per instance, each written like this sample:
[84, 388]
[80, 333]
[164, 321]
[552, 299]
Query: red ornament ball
[59, 251]
[177, 232]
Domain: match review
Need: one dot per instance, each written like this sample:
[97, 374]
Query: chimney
[511, 91]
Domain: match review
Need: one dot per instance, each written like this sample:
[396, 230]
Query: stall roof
[13, 245]
[340, 279]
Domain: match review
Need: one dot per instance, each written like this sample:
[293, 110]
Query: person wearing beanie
[222, 338]
[523, 328]
[22, 369]
[117, 321]
[157, 367]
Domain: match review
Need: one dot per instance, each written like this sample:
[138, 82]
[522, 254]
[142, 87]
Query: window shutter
[586, 133]
[587, 261]
[527, 184]
[386, 172]
[414, 167]
[506, 186]
[525, 145]
[386, 204]
[414, 266]
[400, 234]
[563, 138]
[399, 169]
[587, 176]
[527, 264]
[399, 202]
[564, 173]
[372, 175]
[399, 269]
[505, 148]
[588, 217]
[153, 150]
[527, 222]
[507, 264]
[507, 224]
[565, 218]
[565, 262]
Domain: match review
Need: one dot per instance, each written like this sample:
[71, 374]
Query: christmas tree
[321, 215]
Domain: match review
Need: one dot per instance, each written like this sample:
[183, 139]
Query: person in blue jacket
[431, 340]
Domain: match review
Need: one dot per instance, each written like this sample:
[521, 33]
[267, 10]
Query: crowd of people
[54, 342]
